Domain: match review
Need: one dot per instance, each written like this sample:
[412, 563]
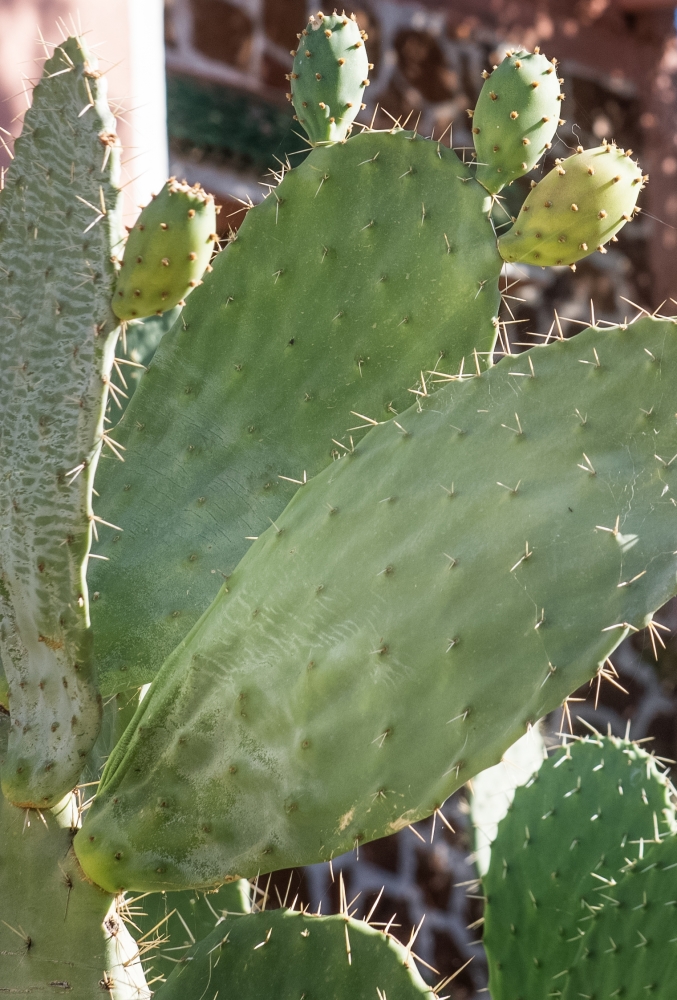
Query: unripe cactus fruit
[167, 251]
[578, 207]
[329, 76]
[515, 118]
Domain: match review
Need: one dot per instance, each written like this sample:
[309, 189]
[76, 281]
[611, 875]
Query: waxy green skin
[515, 118]
[629, 947]
[57, 337]
[167, 251]
[76, 937]
[584, 812]
[330, 73]
[579, 206]
[302, 955]
[319, 703]
[313, 312]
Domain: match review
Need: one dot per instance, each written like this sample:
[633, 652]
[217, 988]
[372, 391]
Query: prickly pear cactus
[319, 704]
[58, 933]
[628, 947]
[58, 231]
[371, 262]
[167, 251]
[297, 955]
[516, 117]
[579, 206]
[329, 76]
[564, 842]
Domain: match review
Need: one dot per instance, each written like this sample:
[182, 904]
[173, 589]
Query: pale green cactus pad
[372, 262]
[563, 842]
[58, 231]
[329, 76]
[58, 933]
[515, 118]
[414, 608]
[288, 955]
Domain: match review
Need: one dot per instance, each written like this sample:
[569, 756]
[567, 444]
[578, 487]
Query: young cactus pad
[582, 813]
[371, 262]
[577, 208]
[290, 955]
[58, 231]
[58, 933]
[167, 251]
[319, 703]
[629, 948]
[329, 76]
[515, 118]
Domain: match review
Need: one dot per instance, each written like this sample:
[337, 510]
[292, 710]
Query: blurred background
[199, 90]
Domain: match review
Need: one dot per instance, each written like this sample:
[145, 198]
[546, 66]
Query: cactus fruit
[292, 955]
[167, 251]
[329, 76]
[581, 814]
[318, 704]
[577, 208]
[628, 947]
[58, 933]
[515, 118]
[312, 312]
[59, 228]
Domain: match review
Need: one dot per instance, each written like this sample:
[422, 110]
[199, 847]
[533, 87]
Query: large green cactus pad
[58, 231]
[58, 933]
[413, 609]
[629, 949]
[563, 842]
[371, 261]
[515, 118]
[290, 955]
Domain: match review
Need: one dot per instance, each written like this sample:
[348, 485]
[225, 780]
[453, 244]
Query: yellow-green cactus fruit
[577, 208]
[329, 76]
[516, 117]
[167, 251]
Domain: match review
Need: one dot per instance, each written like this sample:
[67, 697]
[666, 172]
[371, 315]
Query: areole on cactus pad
[415, 607]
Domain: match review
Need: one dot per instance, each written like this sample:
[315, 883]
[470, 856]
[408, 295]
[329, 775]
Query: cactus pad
[582, 813]
[167, 251]
[292, 955]
[348, 677]
[371, 262]
[58, 231]
[629, 948]
[577, 208]
[329, 76]
[515, 118]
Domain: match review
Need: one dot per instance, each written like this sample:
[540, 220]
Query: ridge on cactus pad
[57, 337]
[416, 606]
[579, 206]
[329, 76]
[372, 262]
[167, 251]
[564, 841]
[292, 955]
[515, 118]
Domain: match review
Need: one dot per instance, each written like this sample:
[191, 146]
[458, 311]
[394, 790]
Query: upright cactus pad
[322, 702]
[58, 231]
[58, 933]
[577, 208]
[628, 947]
[167, 251]
[371, 262]
[329, 76]
[564, 842]
[516, 117]
[290, 955]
